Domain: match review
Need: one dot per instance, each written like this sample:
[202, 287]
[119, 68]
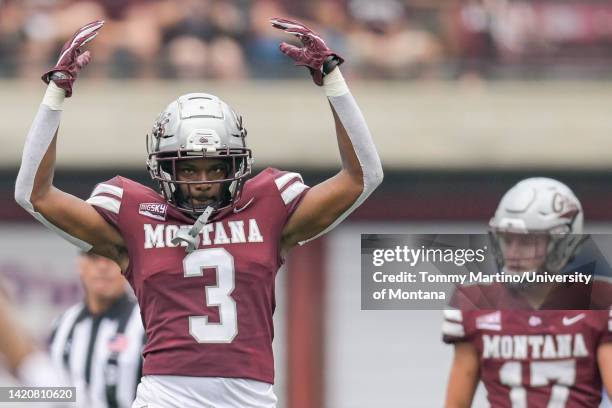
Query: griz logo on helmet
[565, 207]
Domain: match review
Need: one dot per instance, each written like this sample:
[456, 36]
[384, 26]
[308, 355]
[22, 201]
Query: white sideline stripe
[453, 329]
[108, 189]
[453, 314]
[293, 191]
[285, 178]
[108, 203]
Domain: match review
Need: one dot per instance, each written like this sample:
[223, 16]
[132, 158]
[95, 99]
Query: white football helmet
[541, 205]
[198, 125]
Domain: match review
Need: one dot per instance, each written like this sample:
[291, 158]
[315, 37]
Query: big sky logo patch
[157, 211]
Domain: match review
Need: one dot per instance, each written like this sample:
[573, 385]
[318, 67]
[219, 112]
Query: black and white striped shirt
[100, 354]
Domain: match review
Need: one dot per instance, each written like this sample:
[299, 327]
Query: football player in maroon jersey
[202, 253]
[528, 357]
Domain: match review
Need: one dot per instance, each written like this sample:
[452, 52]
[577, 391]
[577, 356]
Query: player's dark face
[101, 277]
[196, 170]
[523, 252]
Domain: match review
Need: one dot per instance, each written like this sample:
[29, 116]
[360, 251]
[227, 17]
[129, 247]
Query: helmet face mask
[537, 227]
[179, 190]
[522, 251]
[199, 129]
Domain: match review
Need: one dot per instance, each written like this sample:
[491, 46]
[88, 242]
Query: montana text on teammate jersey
[534, 358]
[207, 313]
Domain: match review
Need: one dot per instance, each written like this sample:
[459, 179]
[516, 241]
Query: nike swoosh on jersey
[237, 210]
[568, 321]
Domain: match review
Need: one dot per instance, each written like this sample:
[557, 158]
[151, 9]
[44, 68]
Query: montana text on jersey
[534, 358]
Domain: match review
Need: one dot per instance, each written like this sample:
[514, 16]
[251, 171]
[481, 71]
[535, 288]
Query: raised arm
[328, 203]
[67, 215]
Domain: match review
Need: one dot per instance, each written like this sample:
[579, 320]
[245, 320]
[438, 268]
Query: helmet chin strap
[192, 236]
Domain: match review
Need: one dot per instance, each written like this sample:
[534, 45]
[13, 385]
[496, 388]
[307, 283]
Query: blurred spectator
[333, 22]
[394, 39]
[470, 26]
[11, 36]
[226, 59]
[387, 44]
[262, 46]
[188, 57]
[206, 41]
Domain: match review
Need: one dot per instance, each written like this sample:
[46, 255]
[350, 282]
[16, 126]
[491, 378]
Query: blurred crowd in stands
[382, 39]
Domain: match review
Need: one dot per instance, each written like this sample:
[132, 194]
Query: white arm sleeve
[37, 143]
[357, 129]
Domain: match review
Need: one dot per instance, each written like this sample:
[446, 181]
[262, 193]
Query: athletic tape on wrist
[54, 97]
[334, 84]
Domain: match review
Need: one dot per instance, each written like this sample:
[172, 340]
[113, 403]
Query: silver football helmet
[198, 125]
[540, 205]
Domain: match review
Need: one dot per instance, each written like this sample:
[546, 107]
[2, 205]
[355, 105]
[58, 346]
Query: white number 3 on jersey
[217, 296]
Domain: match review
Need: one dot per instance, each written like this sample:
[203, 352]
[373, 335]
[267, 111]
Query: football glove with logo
[72, 58]
[314, 53]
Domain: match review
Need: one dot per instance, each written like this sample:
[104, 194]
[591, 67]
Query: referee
[98, 343]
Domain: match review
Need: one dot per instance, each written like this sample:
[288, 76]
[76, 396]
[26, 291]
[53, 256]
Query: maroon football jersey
[207, 313]
[533, 358]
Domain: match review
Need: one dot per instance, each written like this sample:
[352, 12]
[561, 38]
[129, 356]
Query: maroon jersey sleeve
[454, 327]
[106, 198]
[457, 325]
[290, 188]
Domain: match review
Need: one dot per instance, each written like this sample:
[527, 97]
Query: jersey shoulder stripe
[453, 327]
[285, 189]
[290, 185]
[292, 192]
[283, 180]
[108, 189]
[453, 314]
[108, 195]
[106, 203]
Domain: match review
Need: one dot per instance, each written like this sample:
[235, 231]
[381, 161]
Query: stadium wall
[439, 125]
